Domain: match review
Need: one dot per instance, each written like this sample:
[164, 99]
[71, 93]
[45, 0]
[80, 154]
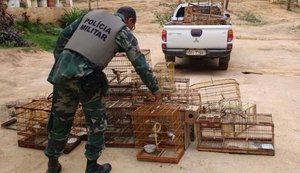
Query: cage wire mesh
[120, 71]
[164, 72]
[119, 131]
[205, 13]
[161, 126]
[181, 94]
[253, 134]
[217, 95]
[32, 119]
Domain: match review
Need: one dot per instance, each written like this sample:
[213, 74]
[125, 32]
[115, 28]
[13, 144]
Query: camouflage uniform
[75, 79]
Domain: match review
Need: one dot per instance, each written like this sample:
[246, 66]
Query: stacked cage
[31, 126]
[253, 134]
[164, 72]
[120, 71]
[181, 93]
[158, 128]
[119, 131]
[225, 121]
[79, 128]
[123, 80]
[122, 77]
[205, 15]
[216, 93]
[189, 107]
[31, 123]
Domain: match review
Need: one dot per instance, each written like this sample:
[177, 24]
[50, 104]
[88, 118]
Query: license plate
[196, 52]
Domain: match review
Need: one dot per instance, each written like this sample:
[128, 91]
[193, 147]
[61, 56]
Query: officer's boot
[53, 166]
[93, 167]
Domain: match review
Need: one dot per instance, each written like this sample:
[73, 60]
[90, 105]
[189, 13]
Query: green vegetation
[164, 16]
[41, 36]
[11, 38]
[36, 35]
[30, 35]
[70, 16]
[42, 40]
[251, 18]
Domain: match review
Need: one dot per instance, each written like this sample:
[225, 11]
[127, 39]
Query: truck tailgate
[212, 37]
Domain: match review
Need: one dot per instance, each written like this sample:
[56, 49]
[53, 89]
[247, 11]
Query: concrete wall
[43, 14]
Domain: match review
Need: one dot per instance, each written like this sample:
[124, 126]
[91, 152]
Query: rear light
[164, 35]
[229, 35]
[164, 46]
[229, 46]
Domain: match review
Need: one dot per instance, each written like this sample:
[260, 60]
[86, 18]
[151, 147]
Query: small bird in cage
[118, 74]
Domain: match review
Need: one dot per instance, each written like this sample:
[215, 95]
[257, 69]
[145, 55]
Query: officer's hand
[157, 97]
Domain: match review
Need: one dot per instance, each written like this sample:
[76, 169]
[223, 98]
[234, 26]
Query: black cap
[128, 12]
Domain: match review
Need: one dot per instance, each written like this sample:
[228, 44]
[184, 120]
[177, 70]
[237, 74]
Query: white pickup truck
[198, 30]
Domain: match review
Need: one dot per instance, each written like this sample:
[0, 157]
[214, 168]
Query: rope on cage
[156, 129]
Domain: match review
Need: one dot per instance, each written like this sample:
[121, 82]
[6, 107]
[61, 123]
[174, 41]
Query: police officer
[82, 51]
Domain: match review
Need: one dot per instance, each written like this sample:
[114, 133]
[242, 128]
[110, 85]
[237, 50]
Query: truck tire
[223, 65]
[224, 62]
[169, 58]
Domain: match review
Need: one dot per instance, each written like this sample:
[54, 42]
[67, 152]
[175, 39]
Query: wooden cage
[161, 126]
[233, 133]
[120, 71]
[119, 131]
[31, 126]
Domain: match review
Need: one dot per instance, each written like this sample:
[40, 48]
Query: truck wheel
[169, 58]
[223, 63]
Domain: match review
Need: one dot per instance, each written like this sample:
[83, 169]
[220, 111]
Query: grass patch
[42, 40]
[251, 18]
[37, 35]
[27, 49]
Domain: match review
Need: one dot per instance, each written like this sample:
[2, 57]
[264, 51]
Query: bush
[70, 16]
[250, 17]
[167, 9]
[41, 36]
[11, 38]
[164, 16]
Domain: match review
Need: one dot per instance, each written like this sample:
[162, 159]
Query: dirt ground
[271, 52]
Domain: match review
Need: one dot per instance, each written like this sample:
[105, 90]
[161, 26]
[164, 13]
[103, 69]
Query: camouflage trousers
[89, 91]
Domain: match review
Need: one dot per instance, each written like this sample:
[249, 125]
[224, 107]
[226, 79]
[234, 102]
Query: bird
[118, 74]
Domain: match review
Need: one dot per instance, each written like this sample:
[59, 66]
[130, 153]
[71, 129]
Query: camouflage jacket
[69, 64]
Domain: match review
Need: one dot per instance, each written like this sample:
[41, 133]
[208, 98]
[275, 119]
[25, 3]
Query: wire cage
[181, 94]
[217, 94]
[159, 126]
[116, 93]
[119, 131]
[79, 128]
[32, 120]
[233, 133]
[120, 71]
[164, 72]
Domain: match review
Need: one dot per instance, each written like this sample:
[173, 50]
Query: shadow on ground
[197, 65]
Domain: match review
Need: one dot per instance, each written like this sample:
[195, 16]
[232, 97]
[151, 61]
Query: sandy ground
[272, 50]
